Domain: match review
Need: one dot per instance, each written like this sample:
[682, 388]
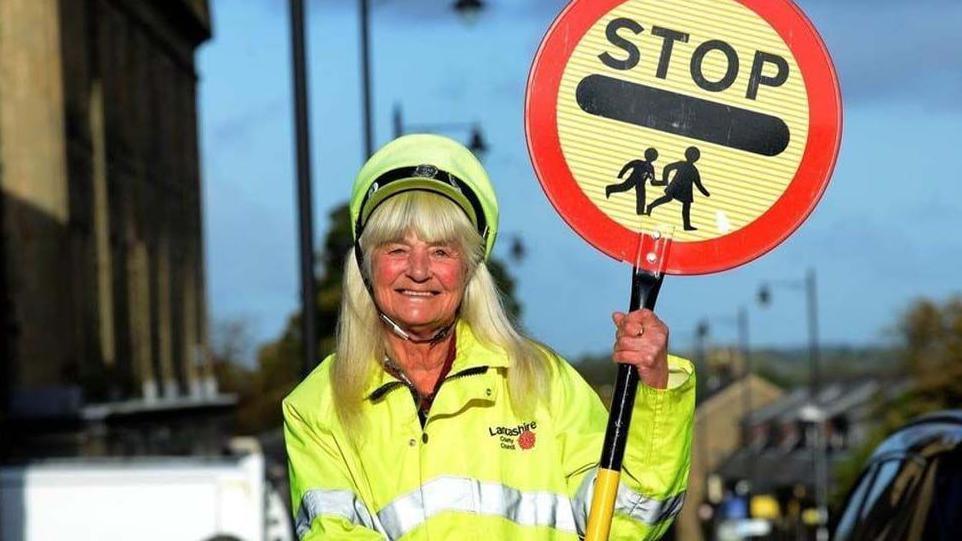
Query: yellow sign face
[686, 113]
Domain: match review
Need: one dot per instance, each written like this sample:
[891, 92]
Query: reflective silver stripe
[582, 502]
[461, 494]
[340, 503]
[647, 510]
[628, 502]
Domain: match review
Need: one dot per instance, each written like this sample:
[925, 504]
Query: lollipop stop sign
[717, 121]
[682, 136]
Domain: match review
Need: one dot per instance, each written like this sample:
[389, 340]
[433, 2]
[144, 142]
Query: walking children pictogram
[641, 172]
[680, 186]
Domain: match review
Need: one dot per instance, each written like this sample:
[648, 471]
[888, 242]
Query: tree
[930, 360]
[932, 353]
[230, 343]
[278, 362]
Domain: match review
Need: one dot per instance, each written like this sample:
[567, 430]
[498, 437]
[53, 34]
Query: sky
[884, 234]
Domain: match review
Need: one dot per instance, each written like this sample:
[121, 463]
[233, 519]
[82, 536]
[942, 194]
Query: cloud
[419, 11]
[893, 50]
[883, 49]
[238, 127]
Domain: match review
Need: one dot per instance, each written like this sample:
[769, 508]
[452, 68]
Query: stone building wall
[102, 279]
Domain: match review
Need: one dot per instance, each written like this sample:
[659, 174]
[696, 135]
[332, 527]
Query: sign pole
[645, 286]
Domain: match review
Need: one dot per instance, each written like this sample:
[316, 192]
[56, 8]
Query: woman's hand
[641, 340]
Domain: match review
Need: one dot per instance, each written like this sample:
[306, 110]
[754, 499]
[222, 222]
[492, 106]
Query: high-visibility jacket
[476, 470]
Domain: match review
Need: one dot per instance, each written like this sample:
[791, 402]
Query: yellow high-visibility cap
[431, 163]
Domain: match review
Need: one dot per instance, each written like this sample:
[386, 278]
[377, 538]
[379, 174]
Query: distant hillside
[786, 367]
[790, 367]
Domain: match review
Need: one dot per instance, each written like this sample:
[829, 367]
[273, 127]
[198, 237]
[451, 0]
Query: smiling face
[418, 284]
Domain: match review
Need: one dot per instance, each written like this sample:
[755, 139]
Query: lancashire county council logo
[526, 439]
[512, 437]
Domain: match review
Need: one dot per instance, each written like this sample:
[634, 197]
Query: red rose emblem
[526, 439]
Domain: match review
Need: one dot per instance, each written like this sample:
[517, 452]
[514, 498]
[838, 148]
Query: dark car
[911, 487]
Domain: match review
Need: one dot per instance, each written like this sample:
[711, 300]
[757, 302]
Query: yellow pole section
[602, 505]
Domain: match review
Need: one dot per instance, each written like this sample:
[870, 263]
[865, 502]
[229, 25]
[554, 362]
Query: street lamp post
[813, 329]
[467, 9]
[711, 496]
[808, 285]
[476, 141]
[813, 412]
[741, 322]
[365, 8]
[305, 211]
[746, 392]
[701, 333]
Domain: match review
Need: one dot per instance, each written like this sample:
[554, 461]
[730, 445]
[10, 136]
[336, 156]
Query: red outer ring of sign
[701, 257]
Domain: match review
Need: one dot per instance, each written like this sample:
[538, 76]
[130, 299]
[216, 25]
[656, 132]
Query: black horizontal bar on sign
[678, 114]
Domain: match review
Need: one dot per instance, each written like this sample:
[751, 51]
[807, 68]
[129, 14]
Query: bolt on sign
[717, 120]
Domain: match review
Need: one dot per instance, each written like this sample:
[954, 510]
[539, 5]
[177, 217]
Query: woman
[435, 418]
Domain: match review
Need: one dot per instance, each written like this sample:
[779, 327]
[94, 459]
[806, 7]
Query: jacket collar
[471, 354]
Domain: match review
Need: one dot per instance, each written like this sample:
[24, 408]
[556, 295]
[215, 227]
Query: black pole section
[818, 446]
[305, 211]
[644, 292]
[813, 332]
[701, 437]
[398, 121]
[366, 80]
[747, 392]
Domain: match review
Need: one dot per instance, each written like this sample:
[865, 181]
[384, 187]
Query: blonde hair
[433, 218]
